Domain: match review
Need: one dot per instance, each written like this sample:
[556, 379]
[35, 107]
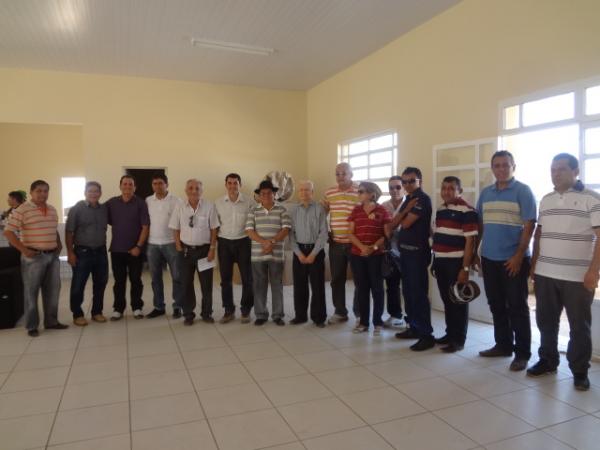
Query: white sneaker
[394, 322]
[377, 330]
[357, 321]
[116, 315]
[337, 319]
[138, 314]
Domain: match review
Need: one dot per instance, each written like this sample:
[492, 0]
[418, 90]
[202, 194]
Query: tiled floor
[155, 384]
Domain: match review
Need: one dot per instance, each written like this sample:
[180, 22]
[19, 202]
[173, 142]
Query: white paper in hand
[205, 264]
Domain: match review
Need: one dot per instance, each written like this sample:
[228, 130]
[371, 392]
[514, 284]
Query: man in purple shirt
[129, 219]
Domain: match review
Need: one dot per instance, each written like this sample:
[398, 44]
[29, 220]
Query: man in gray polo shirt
[85, 236]
[566, 269]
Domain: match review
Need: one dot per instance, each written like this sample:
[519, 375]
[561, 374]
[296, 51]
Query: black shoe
[188, 321]
[177, 313]
[57, 326]
[443, 340]
[581, 382]
[33, 333]
[155, 313]
[452, 348]
[423, 344]
[518, 364]
[541, 368]
[279, 322]
[259, 322]
[320, 324]
[297, 321]
[407, 334]
[494, 352]
[208, 319]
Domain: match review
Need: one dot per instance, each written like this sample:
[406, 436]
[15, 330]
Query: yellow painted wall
[31, 151]
[195, 129]
[442, 82]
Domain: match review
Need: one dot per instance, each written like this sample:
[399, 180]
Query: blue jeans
[158, 255]
[94, 262]
[41, 272]
[368, 281]
[415, 289]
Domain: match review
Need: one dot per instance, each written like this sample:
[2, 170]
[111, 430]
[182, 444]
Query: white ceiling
[314, 39]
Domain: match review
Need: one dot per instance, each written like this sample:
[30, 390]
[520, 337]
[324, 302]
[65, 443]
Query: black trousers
[233, 251]
[315, 274]
[339, 258]
[189, 266]
[124, 264]
[457, 316]
[551, 296]
[507, 297]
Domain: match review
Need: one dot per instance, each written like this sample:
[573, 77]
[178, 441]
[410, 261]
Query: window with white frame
[372, 158]
[72, 191]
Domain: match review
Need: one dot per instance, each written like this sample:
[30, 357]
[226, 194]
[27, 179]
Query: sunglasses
[395, 188]
[411, 181]
[191, 224]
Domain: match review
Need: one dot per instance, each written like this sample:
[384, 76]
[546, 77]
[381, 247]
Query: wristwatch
[375, 247]
[273, 241]
[466, 268]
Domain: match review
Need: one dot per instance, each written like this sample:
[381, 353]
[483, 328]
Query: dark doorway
[143, 179]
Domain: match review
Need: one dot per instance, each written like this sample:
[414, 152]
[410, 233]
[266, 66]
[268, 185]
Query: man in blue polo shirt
[507, 212]
[414, 219]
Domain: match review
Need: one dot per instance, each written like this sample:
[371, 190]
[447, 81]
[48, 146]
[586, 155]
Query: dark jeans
[457, 316]
[189, 266]
[92, 261]
[124, 264]
[551, 296]
[392, 291]
[339, 258]
[235, 251]
[368, 281]
[415, 289]
[315, 273]
[507, 297]
[158, 255]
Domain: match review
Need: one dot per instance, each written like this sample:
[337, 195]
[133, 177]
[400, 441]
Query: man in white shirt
[161, 246]
[234, 246]
[195, 224]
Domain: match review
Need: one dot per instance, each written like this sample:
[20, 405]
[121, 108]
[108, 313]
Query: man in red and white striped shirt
[39, 243]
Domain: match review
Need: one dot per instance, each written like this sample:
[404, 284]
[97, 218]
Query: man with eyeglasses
[414, 219]
[507, 214]
[195, 224]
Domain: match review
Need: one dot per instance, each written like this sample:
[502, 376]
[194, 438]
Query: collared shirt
[233, 215]
[392, 210]
[454, 222]
[88, 224]
[341, 204]
[369, 228]
[309, 226]
[160, 211]
[203, 219]
[417, 235]
[127, 220]
[37, 225]
[267, 223]
[504, 213]
[567, 240]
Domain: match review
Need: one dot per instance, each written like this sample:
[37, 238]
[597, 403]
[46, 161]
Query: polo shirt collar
[240, 198]
[187, 203]
[166, 197]
[511, 184]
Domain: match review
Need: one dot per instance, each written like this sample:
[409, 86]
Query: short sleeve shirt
[417, 235]
[267, 223]
[341, 204]
[88, 224]
[369, 228]
[127, 220]
[36, 225]
[453, 223]
[195, 225]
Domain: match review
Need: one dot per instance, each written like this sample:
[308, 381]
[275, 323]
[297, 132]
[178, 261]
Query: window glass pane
[549, 109]
[592, 141]
[592, 171]
[381, 142]
[359, 161]
[383, 185]
[592, 100]
[361, 174]
[456, 156]
[486, 151]
[467, 177]
[72, 191]
[380, 172]
[381, 157]
[358, 147]
[486, 177]
[511, 117]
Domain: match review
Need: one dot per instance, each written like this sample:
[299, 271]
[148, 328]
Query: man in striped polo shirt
[339, 201]
[268, 225]
[507, 214]
[566, 265]
[456, 226]
[39, 243]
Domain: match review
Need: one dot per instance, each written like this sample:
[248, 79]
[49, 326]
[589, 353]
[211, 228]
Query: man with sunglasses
[414, 219]
[195, 224]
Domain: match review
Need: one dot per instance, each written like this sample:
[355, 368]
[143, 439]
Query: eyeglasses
[411, 181]
[191, 224]
[396, 188]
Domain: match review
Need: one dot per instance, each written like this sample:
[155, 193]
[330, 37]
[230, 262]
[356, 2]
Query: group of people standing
[386, 245]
